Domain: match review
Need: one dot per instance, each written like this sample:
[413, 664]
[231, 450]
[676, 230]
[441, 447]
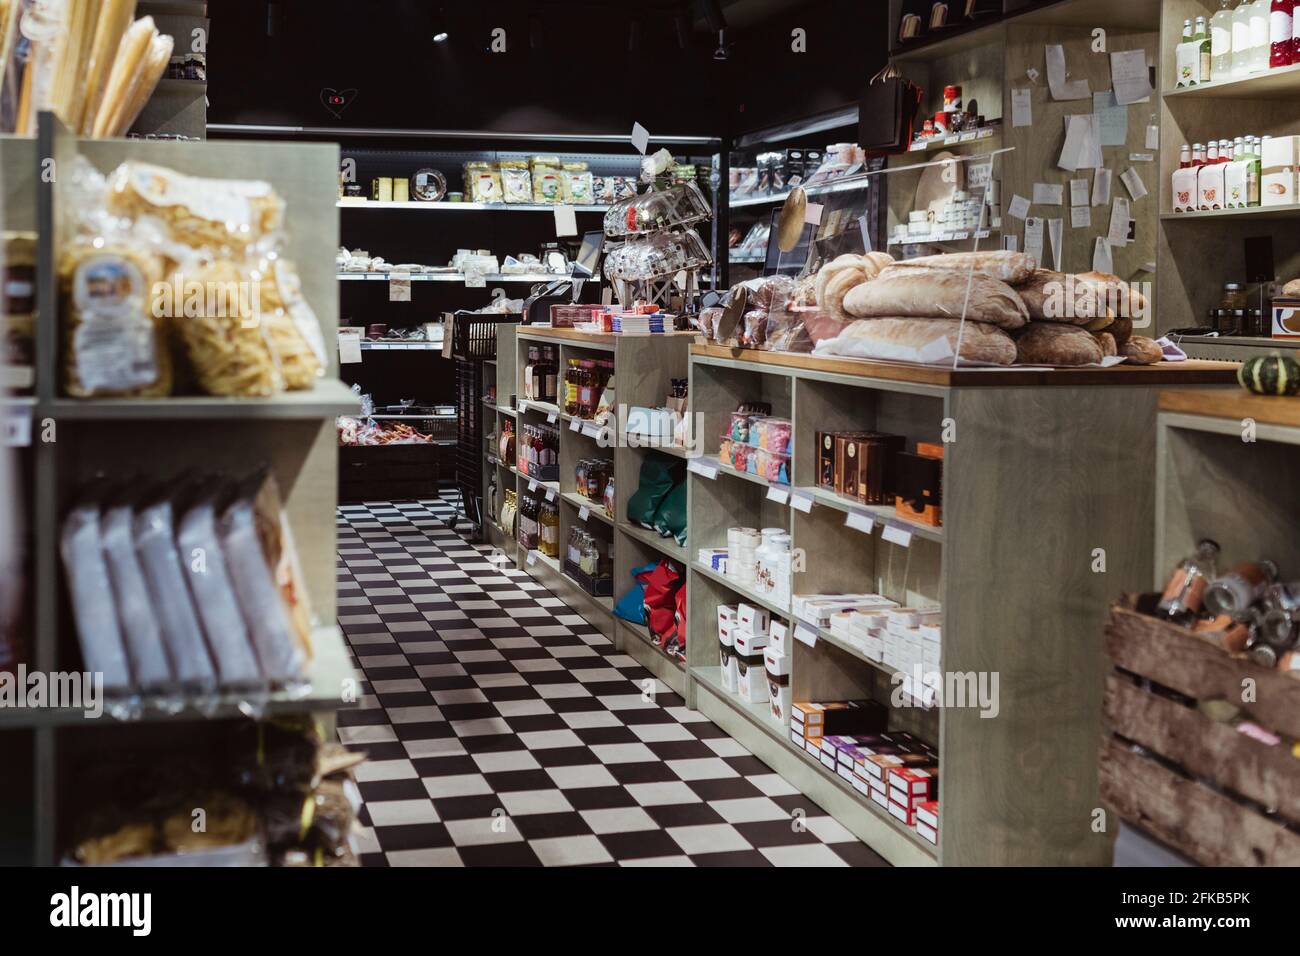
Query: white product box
[1184, 189]
[726, 614]
[753, 619]
[751, 680]
[927, 833]
[1209, 187]
[1187, 63]
[727, 658]
[1235, 185]
[777, 664]
[796, 738]
[778, 699]
[1277, 184]
[778, 637]
[748, 642]
[1286, 318]
[927, 816]
[860, 785]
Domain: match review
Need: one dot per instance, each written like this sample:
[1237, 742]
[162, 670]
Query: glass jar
[1234, 296]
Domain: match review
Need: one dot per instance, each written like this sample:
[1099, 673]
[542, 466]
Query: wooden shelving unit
[293, 433]
[1011, 563]
[643, 365]
[1200, 251]
[1210, 483]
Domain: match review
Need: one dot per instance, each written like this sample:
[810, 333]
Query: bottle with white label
[1201, 33]
[1221, 41]
[1241, 39]
[1259, 11]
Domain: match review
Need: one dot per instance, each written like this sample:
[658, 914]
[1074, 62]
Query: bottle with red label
[1280, 33]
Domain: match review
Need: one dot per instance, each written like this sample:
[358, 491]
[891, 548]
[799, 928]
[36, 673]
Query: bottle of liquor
[1259, 11]
[1221, 41]
[1241, 39]
[1212, 152]
[1198, 154]
[1279, 33]
[1184, 156]
[1201, 35]
[1185, 592]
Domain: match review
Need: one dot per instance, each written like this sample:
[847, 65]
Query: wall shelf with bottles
[1203, 249]
[643, 367]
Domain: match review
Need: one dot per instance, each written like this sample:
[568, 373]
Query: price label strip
[895, 534]
[805, 634]
[860, 521]
[703, 470]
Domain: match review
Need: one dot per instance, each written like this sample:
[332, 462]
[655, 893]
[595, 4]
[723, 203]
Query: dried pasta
[212, 213]
[217, 322]
[114, 345]
[291, 325]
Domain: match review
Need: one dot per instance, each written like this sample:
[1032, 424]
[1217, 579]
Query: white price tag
[574, 424]
[523, 404]
[550, 494]
[779, 495]
[703, 470]
[532, 558]
[805, 634]
[860, 522]
[583, 514]
[551, 417]
[349, 348]
[590, 430]
[16, 428]
[566, 222]
[801, 503]
[812, 214]
[896, 535]
[532, 484]
[640, 138]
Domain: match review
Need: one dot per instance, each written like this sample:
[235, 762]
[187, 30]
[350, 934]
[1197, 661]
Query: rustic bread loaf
[1051, 343]
[921, 340]
[1011, 267]
[937, 293]
[1121, 297]
[1142, 351]
[1056, 297]
[1107, 342]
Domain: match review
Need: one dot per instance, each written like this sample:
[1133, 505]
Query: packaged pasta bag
[219, 214]
[292, 329]
[113, 341]
[214, 309]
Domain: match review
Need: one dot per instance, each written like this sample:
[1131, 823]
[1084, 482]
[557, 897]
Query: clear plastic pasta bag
[91, 592]
[264, 612]
[290, 323]
[113, 342]
[141, 631]
[155, 542]
[217, 318]
[225, 216]
[206, 571]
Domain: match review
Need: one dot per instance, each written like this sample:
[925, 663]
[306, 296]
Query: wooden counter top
[1235, 404]
[1190, 372]
[579, 337]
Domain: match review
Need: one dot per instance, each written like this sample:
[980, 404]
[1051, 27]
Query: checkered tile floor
[502, 729]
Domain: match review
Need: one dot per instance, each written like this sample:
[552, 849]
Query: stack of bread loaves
[1014, 311]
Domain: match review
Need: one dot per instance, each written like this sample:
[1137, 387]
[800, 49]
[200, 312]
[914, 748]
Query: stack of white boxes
[821, 610]
[743, 634]
[777, 661]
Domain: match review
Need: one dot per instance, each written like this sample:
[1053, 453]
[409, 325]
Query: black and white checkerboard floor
[502, 729]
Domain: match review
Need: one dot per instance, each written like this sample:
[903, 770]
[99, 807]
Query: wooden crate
[1206, 795]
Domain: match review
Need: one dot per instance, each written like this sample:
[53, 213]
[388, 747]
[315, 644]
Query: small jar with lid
[1234, 296]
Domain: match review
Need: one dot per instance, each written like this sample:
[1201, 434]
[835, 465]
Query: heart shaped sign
[336, 101]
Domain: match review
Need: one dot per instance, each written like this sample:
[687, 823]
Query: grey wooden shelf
[292, 433]
[996, 530]
[1282, 83]
[329, 398]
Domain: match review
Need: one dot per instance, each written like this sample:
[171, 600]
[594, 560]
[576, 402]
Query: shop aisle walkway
[503, 729]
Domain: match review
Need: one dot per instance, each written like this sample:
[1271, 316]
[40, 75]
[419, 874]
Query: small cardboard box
[1278, 162]
[1286, 318]
[1185, 193]
[1209, 187]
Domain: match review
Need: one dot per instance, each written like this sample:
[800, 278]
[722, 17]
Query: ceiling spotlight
[440, 36]
[721, 53]
[440, 25]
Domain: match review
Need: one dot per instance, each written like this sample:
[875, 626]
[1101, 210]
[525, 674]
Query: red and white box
[927, 821]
